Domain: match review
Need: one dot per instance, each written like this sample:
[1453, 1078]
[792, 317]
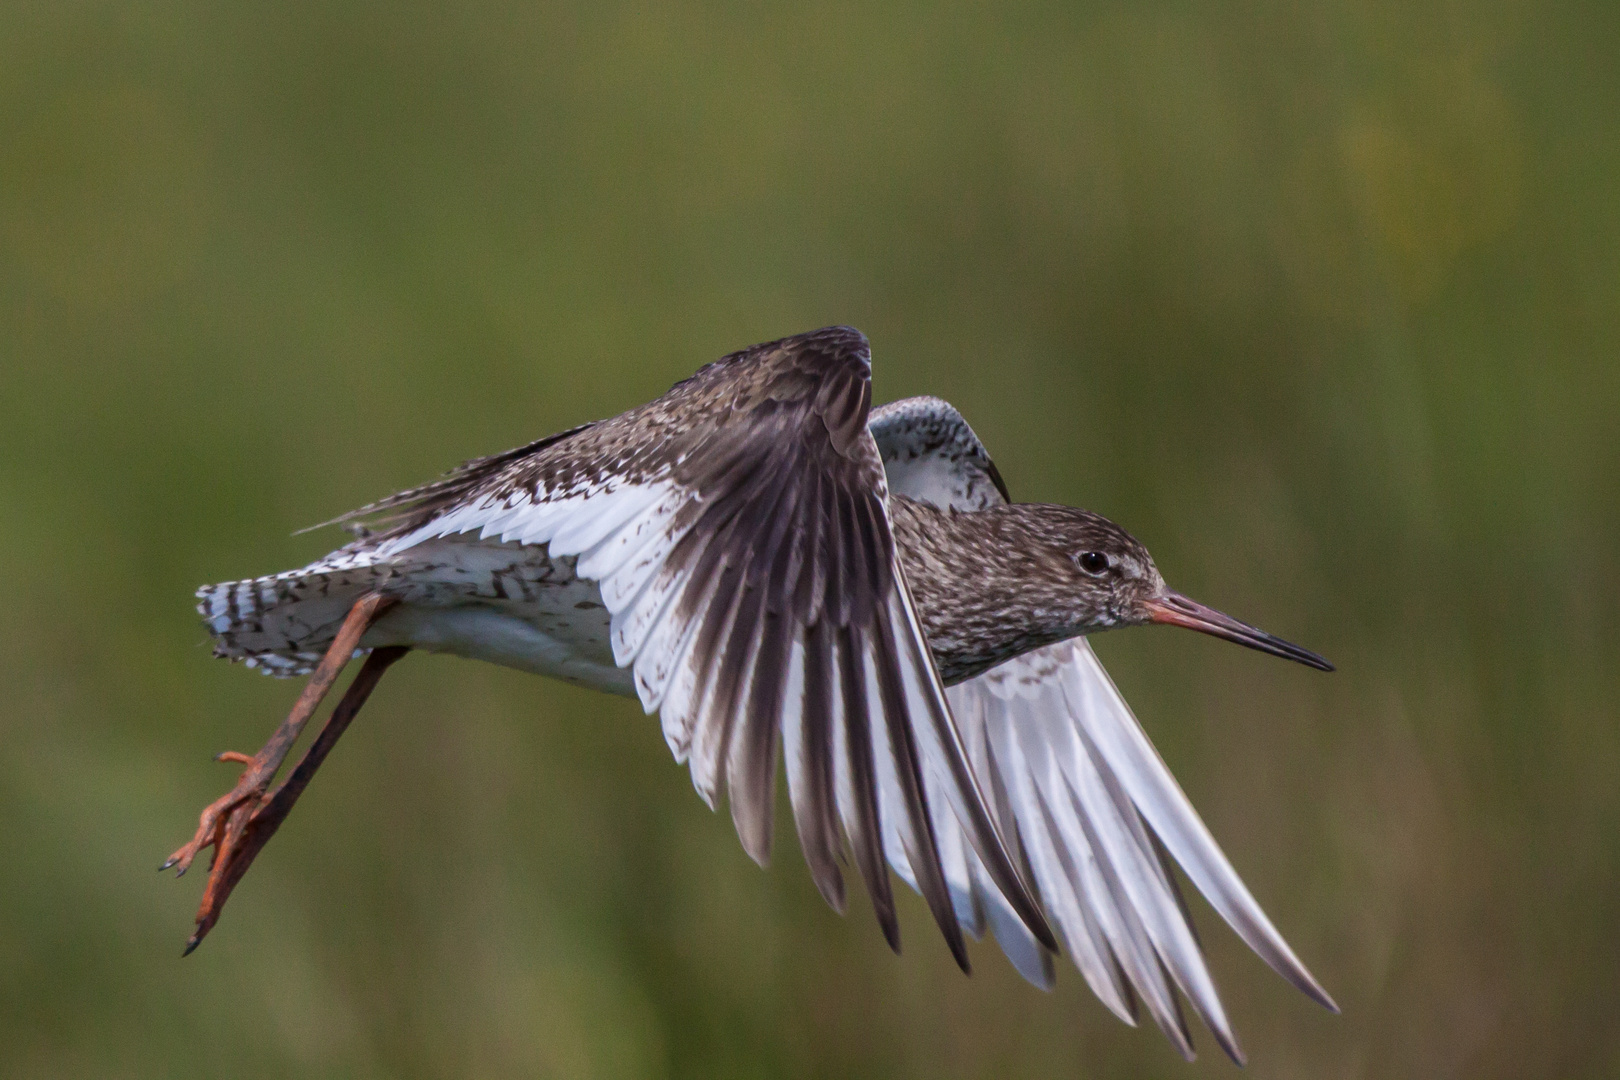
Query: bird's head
[1096, 576]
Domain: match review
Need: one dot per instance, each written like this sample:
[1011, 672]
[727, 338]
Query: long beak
[1177, 610]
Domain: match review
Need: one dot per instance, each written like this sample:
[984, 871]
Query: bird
[779, 570]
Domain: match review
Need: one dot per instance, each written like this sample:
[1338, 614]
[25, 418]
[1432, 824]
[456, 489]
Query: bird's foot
[213, 823]
[237, 826]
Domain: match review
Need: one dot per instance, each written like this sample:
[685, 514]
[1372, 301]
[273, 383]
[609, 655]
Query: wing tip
[758, 849]
[890, 926]
[832, 891]
[959, 952]
[1313, 990]
[1228, 1042]
[754, 822]
[1286, 964]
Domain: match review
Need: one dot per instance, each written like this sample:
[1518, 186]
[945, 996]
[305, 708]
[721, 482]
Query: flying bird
[771, 565]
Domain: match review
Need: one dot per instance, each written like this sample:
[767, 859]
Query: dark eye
[1094, 563]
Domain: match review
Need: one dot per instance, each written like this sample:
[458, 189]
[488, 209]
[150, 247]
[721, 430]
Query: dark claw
[170, 861]
[191, 946]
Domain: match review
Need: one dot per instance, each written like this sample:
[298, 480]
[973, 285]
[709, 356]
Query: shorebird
[765, 561]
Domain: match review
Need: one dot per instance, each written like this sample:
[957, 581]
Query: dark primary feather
[815, 807]
[791, 495]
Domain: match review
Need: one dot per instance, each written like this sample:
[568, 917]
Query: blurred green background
[1322, 301]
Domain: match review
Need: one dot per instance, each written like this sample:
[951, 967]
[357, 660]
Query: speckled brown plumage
[996, 583]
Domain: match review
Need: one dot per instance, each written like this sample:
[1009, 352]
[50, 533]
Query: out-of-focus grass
[1322, 301]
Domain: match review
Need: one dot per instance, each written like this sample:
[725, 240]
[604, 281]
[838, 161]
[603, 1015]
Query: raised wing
[1080, 792]
[738, 530]
[931, 455]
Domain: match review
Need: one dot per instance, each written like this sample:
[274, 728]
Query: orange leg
[238, 825]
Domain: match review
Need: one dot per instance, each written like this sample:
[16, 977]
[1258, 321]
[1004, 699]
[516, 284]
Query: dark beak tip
[1177, 610]
[1305, 657]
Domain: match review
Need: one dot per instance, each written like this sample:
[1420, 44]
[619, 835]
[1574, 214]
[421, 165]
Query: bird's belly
[560, 630]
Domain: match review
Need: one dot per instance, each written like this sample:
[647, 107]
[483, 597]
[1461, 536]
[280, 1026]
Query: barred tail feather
[282, 624]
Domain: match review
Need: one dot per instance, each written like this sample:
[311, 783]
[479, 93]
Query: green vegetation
[1321, 301]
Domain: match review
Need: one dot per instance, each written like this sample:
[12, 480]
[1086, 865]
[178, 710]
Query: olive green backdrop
[1322, 301]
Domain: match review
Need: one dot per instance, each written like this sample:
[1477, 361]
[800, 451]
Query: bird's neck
[973, 587]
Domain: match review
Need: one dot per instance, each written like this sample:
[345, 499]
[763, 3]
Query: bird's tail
[282, 624]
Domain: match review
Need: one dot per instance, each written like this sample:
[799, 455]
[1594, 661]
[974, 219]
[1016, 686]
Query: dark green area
[1322, 301]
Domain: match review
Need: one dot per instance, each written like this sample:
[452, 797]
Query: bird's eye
[1094, 563]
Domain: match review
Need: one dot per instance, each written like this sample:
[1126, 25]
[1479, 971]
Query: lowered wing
[1087, 803]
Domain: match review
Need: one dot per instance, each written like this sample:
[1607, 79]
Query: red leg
[225, 823]
[251, 826]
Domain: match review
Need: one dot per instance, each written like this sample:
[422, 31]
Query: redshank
[765, 561]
